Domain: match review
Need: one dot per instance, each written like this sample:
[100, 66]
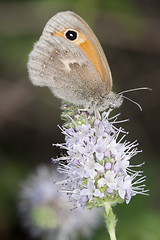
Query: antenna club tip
[147, 88]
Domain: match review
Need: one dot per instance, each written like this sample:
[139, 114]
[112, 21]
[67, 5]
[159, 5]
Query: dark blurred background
[129, 31]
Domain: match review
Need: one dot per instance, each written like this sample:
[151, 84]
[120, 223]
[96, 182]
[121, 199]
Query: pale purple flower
[98, 163]
[46, 212]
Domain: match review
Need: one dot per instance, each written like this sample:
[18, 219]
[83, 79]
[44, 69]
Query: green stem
[110, 221]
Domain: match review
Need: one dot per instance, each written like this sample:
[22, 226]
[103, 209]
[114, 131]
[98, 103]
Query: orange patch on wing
[92, 54]
[89, 49]
[108, 77]
[58, 33]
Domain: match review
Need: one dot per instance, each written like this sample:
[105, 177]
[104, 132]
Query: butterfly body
[69, 60]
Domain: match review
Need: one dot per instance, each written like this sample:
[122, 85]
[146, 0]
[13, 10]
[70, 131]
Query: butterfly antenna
[133, 102]
[135, 89]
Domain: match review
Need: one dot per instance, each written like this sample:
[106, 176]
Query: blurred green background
[129, 31]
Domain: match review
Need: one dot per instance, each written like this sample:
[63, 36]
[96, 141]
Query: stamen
[117, 115]
[122, 121]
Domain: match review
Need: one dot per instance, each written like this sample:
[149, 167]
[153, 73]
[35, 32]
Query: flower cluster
[47, 215]
[98, 162]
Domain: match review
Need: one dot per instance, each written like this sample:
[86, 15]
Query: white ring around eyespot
[70, 29]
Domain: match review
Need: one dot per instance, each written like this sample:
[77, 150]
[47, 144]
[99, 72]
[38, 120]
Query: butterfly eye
[71, 35]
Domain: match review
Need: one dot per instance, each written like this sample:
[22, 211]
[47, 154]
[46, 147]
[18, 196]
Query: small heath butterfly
[69, 59]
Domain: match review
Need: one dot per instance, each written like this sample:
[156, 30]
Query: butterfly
[69, 59]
